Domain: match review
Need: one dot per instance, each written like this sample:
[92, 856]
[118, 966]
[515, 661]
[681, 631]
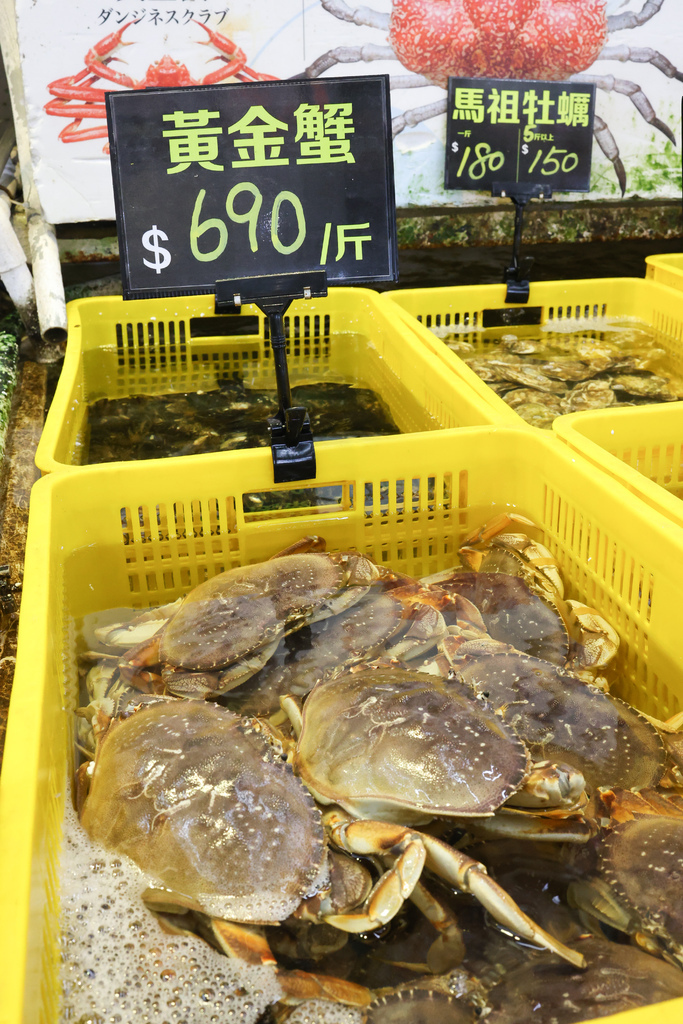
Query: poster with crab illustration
[632, 50]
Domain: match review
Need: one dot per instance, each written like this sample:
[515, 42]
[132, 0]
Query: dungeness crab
[225, 629]
[516, 584]
[196, 799]
[631, 872]
[192, 794]
[617, 978]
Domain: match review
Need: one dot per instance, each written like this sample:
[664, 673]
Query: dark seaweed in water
[230, 418]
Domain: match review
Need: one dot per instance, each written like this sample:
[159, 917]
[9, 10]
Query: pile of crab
[544, 372]
[417, 799]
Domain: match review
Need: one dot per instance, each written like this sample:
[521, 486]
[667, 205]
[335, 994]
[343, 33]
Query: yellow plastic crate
[141, 535]
[641, 447]
[665, 269]
[118, 349]
[653, 304]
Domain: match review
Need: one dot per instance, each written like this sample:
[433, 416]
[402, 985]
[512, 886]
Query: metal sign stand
[516, 276]
[291, 440]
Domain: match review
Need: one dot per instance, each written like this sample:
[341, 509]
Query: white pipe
[14, 271]
[47, 278]
[49, 287]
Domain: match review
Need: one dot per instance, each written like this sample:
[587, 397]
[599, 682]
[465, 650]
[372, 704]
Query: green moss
[8, 380]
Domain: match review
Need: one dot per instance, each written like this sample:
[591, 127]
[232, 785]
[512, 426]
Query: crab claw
[109, 43]
[496, 525]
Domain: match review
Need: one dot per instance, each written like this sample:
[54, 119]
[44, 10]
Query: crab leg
[608, 144]
[470, 876]
[249, 945]
[514, 824]
[372, 838]
[636, 95]
[495, 526]
[633, 19]
[448, 951]
[234, 58]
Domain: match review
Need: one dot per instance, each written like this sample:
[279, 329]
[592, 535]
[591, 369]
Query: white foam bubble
[119, 966]
[321, 1011]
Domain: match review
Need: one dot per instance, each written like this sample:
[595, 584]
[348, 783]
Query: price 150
[553, 162]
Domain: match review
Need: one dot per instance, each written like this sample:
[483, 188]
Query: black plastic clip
[516, 276]
[291, 439]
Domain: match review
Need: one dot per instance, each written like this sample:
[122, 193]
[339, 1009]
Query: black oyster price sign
[232, 181]
[507, 132]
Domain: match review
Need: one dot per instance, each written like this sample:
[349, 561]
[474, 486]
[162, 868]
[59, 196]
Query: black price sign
[233, 181]
[509, 132]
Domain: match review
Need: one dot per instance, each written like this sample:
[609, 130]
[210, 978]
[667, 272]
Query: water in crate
[423, 717]
[562, 367]
[229, 418]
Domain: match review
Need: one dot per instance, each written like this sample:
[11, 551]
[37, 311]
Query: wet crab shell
[642, 862]
[241, 610]
[550, 991]
[309, 655]
[419, 1006]
[561, 718]
[198, 802]
[513, 613]
[404, 747]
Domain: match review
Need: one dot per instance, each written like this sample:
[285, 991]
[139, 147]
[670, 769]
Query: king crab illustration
[555, 40]
[78, 98]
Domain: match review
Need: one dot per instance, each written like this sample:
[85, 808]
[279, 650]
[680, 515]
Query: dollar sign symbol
[525, 149]
[162, 257]
[454, 147]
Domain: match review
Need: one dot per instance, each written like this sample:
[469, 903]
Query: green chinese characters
[321, 133]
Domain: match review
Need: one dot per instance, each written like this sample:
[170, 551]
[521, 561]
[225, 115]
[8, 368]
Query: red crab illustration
[536, 39]
[77, 97]
[547, 39]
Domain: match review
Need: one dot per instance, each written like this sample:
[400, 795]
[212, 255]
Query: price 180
[484, 161]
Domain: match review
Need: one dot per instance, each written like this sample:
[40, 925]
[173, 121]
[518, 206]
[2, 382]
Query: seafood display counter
[152, 533]
[576, 345]
[178, 349]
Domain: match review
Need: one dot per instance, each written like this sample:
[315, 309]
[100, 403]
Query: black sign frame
[490, 122]
[347, 207]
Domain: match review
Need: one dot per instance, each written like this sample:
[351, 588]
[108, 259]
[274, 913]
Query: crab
[555, 40]
[517, 584]
[396, 748]
[77, 97]
[390, 620]
[193, 794]
[560, 716]
[415, 1005]
[226, 628]
[633, 880]
[198, 801]
[513, 613]
[617, 978]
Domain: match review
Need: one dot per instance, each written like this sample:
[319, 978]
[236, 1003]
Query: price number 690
[199, 227]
